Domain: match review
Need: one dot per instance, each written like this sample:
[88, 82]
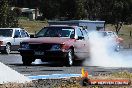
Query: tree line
[108, 10]
[117, 12]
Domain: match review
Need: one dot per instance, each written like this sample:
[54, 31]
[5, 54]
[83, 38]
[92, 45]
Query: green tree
[120, 13]
[50, 9]
[80, 10]
[3, 13]
[68, 9]
[116, 12]
[7, 17]
[93, 8]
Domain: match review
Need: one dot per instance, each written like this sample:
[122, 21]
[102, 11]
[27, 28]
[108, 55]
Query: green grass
[32, 26]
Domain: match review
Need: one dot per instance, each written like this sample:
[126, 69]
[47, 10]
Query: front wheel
[26, 60]
[69, 58]
[7, 49]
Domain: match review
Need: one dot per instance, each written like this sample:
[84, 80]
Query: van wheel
[69, 58]
[26, 60]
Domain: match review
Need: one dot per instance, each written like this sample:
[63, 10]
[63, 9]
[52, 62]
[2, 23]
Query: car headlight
[56, 47]
[24, 45]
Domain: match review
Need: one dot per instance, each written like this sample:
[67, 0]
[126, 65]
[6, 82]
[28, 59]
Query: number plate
[38, 53]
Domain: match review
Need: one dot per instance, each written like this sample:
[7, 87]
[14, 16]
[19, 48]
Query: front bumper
[47, 54]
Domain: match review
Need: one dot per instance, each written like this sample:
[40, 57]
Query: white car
[10, 39]
[113, 36]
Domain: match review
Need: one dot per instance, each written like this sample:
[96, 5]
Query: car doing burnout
[56, 43]
[113, 37]
[10, 39]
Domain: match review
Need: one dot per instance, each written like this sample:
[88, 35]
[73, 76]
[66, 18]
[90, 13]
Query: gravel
[59, 83]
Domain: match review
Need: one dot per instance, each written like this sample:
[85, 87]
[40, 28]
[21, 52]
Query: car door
[19, 36]
[86, 40]
[80, 48]
[24, 35]
[16, 39]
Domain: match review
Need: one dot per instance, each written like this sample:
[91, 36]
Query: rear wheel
[69, 58]
[26, 60]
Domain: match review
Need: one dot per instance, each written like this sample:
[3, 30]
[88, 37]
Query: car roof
[10, 28]
[62, 26]
[107, 31]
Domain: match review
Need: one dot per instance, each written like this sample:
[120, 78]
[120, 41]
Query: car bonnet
[56, 40]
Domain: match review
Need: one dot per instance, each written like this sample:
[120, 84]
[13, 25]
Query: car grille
[40, 46]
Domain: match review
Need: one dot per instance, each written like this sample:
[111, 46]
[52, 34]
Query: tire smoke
[102, 53]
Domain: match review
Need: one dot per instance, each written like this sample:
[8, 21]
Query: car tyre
[69, 58]
[26, 60]
[7, 49]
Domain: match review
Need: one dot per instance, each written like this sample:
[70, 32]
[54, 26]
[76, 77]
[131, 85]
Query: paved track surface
[38, 68]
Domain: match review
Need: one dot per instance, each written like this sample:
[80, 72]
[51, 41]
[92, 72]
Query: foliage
[7, 17]
[68, 9]
[116, 12]
[17, 11]
[3, 13]
[50, 9]
[80, 10]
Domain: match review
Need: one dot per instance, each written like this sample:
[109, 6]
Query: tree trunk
[118, 26]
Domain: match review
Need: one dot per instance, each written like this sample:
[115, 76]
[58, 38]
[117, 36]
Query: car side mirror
[80, 37]
[32, 36]
[72, 36]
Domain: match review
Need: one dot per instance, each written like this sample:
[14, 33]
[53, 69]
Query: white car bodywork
[10, 39]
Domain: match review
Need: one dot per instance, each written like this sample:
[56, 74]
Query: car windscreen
[102, 34]
[55, 32]
[6, 32]
[108, 34]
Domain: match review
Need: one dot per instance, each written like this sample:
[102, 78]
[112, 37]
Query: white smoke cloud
[102, 53]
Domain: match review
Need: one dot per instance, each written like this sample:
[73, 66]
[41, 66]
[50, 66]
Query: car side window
[24, 33]
[79, 32]
[17, 34]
